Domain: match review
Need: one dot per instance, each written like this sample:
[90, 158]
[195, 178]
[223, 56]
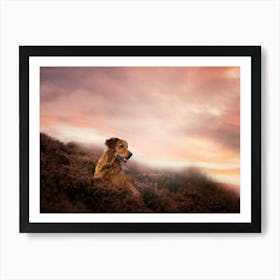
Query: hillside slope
[67, 185]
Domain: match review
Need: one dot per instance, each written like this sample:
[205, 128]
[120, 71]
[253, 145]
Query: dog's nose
[129, 155]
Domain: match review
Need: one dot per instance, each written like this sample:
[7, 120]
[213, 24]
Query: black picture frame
[254, 52]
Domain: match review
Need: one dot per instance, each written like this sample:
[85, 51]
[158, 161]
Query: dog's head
[119, 149]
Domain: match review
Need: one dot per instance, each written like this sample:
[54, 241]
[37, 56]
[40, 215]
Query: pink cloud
[161, 111]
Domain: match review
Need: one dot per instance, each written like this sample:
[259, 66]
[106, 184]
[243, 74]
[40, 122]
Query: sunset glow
[170, 116]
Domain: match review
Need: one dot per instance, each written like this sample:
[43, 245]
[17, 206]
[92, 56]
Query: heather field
[68, 186]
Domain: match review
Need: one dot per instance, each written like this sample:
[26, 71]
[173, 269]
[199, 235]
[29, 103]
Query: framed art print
[140, 138]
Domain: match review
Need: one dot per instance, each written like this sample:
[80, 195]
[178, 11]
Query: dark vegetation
[67, 185]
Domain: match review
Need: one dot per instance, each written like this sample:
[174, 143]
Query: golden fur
[109, 166]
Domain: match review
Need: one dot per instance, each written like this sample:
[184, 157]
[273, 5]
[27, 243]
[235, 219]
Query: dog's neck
[113, 165]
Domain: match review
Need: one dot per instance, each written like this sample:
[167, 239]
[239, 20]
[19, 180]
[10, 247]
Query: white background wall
[139, 256]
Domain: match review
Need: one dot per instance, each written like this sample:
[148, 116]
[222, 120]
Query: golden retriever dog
[109, 165]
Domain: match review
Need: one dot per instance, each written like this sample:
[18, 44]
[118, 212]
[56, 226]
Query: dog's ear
[111, 143]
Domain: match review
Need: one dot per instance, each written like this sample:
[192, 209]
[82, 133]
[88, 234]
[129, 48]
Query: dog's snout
[129, 155]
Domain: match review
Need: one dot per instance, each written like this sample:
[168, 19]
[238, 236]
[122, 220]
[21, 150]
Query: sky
[172, 117]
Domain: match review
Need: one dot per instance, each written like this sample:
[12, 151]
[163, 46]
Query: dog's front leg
[134, 190]
[127, 183]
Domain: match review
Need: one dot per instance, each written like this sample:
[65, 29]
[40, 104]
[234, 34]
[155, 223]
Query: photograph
[140, 139]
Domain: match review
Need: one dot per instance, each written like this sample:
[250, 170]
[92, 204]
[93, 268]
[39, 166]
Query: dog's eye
[121, 146]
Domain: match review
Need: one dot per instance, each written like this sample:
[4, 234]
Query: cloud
[178, 114]
[214, 129]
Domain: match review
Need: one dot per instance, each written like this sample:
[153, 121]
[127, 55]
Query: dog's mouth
[123, 159]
